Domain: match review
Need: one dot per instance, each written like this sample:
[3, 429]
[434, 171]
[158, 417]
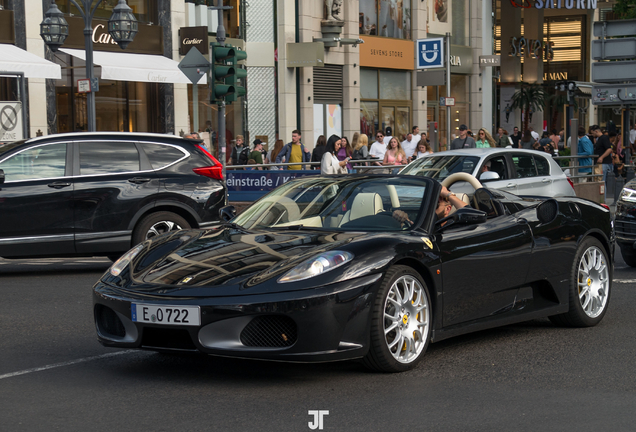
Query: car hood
[227, 261]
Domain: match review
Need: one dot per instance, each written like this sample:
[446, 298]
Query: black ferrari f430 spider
[321, 269]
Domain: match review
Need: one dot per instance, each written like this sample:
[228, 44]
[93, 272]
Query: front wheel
[590, 285]
[156, 224]
[401, 322]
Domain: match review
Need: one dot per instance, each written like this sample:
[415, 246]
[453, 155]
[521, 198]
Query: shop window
[145, 10]
[385, 18]
[369, 119]
[460, 34]
[368, 83]
[395, 85]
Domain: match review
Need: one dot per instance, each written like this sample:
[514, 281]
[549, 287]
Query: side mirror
[463, 216]
[489, 176]
[227, 213]
[1, 176]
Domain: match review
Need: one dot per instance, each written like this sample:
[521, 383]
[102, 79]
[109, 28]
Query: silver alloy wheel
[162, 227]
[406, 319]
[593, 282]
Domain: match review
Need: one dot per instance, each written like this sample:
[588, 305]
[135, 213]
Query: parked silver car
[521, 172]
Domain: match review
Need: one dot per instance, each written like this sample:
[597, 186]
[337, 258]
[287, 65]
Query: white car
[521, 172]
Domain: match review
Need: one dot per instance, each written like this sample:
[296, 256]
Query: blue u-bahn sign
[430, 53]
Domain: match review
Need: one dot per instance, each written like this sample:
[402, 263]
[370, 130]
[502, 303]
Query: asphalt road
[527, 377]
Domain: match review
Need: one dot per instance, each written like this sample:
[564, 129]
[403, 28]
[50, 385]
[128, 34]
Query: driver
[447, 200]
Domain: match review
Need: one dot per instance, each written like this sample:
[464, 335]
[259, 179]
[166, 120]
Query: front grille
[167, 338]
[108, 322]
[625, 228]
[271, 331]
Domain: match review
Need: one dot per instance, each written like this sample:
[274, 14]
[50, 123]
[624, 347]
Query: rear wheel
[156, 224]
[401, 322]
[590, 284]
[629, 255]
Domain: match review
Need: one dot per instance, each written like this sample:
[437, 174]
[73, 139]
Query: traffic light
[226, 73]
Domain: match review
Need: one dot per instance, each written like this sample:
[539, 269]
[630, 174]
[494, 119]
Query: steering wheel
[461, 176]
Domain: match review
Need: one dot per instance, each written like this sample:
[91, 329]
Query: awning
[135, 67]
[14, 59]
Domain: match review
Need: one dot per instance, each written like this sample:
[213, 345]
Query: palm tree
[529, 97]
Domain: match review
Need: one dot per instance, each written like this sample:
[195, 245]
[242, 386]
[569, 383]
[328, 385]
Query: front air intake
[271, 331]
[108, 322]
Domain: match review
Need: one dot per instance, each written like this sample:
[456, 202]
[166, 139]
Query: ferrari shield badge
[428, 242]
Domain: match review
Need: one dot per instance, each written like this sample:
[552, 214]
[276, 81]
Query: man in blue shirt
[585, 148]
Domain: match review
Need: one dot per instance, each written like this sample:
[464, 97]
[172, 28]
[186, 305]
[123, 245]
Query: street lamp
[122, 27]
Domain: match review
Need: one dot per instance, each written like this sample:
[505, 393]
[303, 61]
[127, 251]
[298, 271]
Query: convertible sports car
[359, 266]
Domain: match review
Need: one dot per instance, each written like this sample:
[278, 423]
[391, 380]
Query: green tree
[625, 9]
[529, 97]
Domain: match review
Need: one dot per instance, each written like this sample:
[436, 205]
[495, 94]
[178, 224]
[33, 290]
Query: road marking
[66, 363]
[625, 280]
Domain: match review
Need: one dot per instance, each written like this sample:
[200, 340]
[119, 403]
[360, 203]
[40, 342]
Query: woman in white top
[330, 163]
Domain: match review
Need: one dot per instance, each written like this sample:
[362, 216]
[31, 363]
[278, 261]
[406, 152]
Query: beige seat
[364, 204]
[462, 196]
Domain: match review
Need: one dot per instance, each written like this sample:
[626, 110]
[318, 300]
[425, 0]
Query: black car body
[511, 261]
[625, 222]
[91, 194]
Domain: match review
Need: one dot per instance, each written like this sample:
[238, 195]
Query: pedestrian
[527, 141]
[319, 150]
[237, 150]
[463, 141]
[603, 149]
[503, 140]
[535, 134]
[416, 135]
[515, 137]
[361, 150]
[278, 146]
[545, 140]
[388, 135]
[584, 148]
[378, 148]
[294, 151]
[484, 139]
[618, 154]
[192, 135]
[394, 153]
[257, 153]
[632, 138]
[409, 145]
[330, 163]
[345, 151]
[423, 149]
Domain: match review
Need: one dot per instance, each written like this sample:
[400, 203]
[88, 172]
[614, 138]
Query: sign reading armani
[193, 37]
[555, 4]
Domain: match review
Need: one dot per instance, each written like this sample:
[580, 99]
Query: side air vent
[108, 322]
[547, 211]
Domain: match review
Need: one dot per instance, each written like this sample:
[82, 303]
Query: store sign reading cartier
[104, 37]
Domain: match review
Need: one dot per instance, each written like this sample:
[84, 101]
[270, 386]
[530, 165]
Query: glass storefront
[145, 10]
[120, 105]
[389, 18]
[385, 101]
[459, 113]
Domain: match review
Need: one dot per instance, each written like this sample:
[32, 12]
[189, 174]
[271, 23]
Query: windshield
[440, 167]
[356, 203]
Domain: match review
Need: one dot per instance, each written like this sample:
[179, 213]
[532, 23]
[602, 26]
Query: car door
[546, 188]
[36, 202]
[527, 178]
[482, 267]
[114, 181]
[501, 165]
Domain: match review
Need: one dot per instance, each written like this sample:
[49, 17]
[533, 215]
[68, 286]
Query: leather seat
[364, 204]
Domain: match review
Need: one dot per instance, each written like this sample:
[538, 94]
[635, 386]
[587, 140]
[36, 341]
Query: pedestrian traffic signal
[226, 74]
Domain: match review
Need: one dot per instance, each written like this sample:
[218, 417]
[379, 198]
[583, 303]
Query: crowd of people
[340, 155]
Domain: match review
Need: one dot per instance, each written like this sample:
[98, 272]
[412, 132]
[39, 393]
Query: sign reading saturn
[430, 53]
[555, 4]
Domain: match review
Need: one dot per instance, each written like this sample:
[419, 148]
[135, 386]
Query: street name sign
[11, 122]
[194, 65]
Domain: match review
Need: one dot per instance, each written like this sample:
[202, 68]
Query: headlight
[123, 262]
[628, 195]
[319, 264]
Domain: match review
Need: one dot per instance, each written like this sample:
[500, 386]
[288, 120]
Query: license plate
[171, 315]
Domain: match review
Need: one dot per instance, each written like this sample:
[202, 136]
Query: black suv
[99, 194]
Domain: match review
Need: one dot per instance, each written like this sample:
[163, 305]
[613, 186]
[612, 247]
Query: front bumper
[313, 325]
[625, 223]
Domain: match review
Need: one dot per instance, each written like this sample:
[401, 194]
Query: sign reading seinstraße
[196, 37]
